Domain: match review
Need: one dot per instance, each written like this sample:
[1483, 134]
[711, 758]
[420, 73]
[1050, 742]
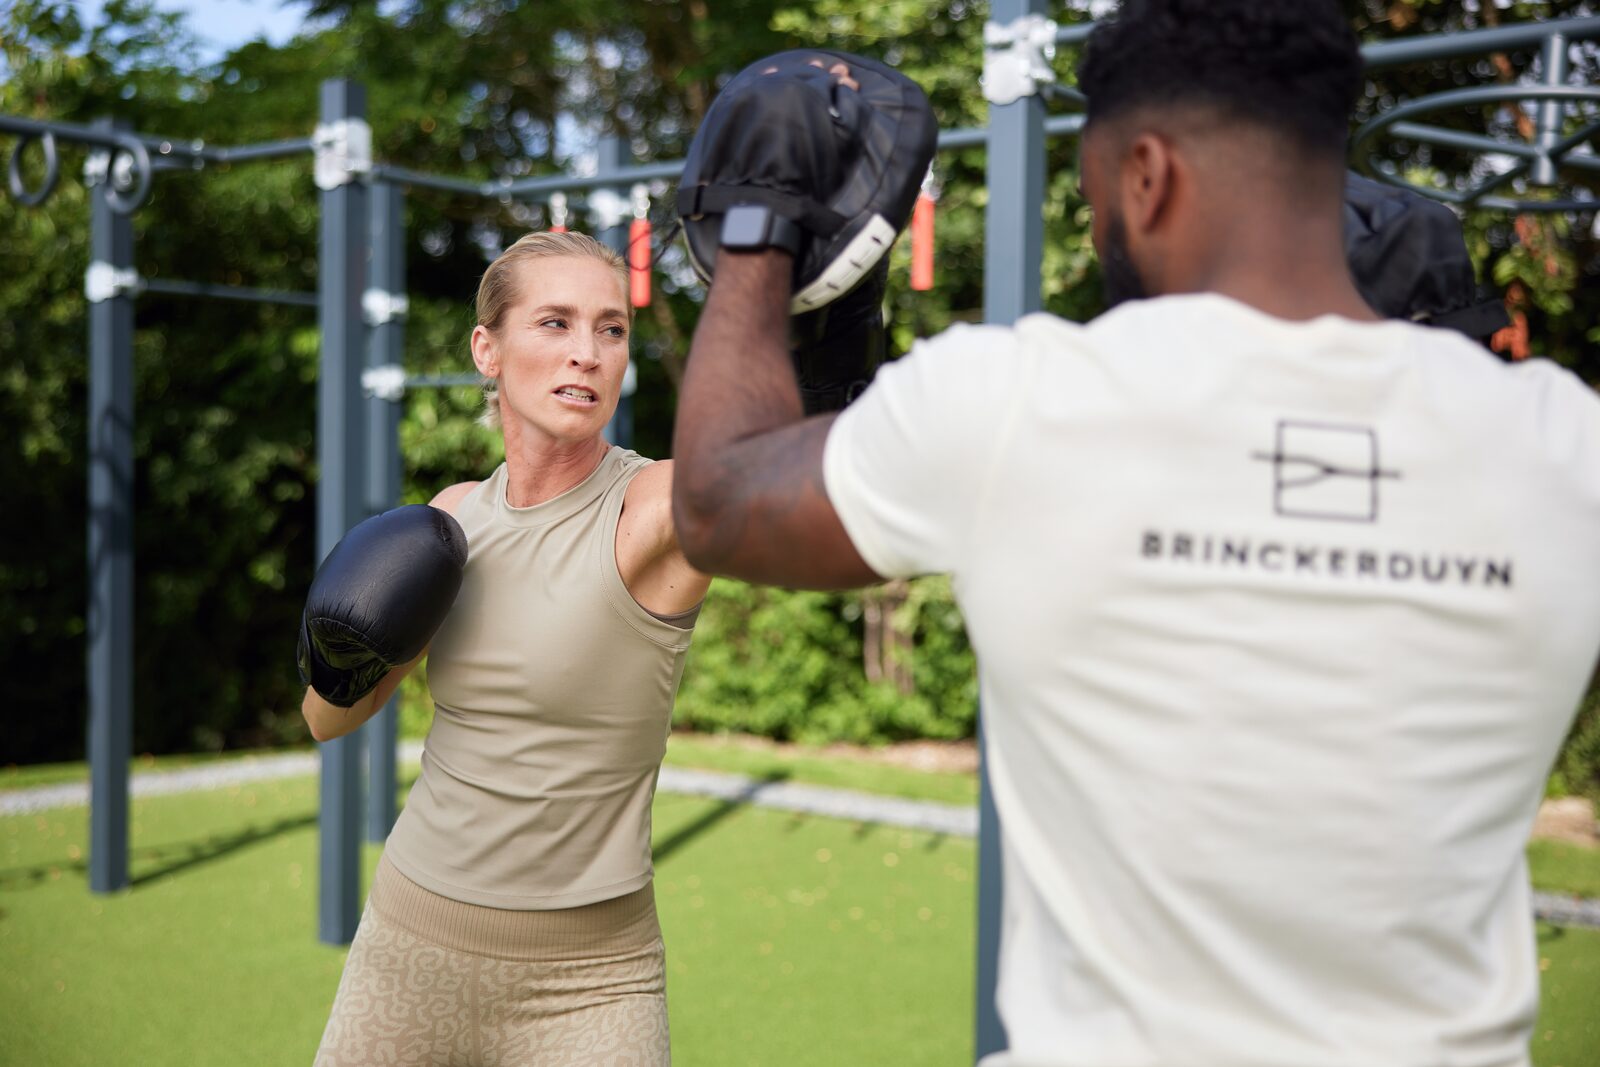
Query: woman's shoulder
[450, 497]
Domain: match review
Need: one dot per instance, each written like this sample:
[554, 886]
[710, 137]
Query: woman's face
[561, 349]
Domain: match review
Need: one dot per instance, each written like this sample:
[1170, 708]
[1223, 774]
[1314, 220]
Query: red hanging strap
[639, 248]
[922, 235]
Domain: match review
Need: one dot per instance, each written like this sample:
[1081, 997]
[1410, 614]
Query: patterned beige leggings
[432, 981]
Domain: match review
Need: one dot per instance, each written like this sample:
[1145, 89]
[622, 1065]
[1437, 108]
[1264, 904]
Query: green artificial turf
[1565, 868]
[812, 766]
[791, 939]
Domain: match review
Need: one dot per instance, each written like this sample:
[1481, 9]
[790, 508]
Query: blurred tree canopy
[225, 392]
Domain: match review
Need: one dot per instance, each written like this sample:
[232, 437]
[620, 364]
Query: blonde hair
[498, 289]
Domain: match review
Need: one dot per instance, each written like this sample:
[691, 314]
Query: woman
[512, 920]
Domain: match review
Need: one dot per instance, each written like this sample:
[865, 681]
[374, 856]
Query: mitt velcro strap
[697, 200]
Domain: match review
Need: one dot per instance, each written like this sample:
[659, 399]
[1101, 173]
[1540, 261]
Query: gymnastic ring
[52, 170]
[119, 200]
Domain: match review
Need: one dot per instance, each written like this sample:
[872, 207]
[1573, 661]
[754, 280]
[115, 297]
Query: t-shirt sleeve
[904, 464]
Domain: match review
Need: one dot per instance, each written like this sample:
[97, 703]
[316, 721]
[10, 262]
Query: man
[1281, 611]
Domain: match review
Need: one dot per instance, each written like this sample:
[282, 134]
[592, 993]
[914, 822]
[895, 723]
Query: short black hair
[1292, 66]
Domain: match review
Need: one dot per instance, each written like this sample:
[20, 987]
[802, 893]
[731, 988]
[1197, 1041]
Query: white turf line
[956, 820]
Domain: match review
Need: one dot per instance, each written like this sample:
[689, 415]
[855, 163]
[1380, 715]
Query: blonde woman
[512, 920]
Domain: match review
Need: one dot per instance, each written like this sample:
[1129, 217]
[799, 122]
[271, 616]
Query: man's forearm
[738, 384]
[739, 380]
[748, 498]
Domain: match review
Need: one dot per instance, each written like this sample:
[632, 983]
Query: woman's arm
[653, 566]
[327, 720]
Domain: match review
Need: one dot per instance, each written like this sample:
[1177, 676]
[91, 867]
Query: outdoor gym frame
[361, 305]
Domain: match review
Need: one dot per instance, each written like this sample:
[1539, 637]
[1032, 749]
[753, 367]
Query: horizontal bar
[1075, 33]
[551, 183]
[963, 138]
[196, 149]
[403, 176]
[1472, 142]
[266, 150]
[1064, 125]
[68, 131]
[1476, 42]
[171, 287]
[1476, 142]
[1434, 45]
[440, 381]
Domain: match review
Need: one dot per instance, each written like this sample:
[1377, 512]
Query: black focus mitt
[1408, 255]
[842, 166]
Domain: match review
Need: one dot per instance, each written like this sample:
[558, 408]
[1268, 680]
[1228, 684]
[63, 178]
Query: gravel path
[953, 819]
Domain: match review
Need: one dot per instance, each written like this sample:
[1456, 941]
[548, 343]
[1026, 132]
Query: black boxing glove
[838, 348]
[378, 599]
[832, 171]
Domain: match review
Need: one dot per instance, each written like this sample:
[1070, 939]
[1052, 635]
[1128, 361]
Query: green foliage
[1577, 769]
[787, 665]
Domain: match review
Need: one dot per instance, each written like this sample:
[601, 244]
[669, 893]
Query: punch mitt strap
[843, 164]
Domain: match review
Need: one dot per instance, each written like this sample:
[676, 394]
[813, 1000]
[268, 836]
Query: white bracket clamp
[379, 306]
[344, 152]
[96, 167]
[386, 382]
[1016, 58]
[102, 282]
[607, 209]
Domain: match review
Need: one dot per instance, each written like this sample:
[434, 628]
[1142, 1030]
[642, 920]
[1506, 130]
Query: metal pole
[1013, 262]
[614, 158]
[110, 616]
[341, 488]
[385, 348]
[1551, 111]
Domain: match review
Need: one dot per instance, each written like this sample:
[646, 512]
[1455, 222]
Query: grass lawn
[791, 939]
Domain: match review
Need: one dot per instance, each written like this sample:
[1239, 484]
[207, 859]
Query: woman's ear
[483, 352]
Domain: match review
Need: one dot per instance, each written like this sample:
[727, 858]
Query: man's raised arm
[748, 496]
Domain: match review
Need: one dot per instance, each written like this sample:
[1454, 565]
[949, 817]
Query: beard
[1118, 276]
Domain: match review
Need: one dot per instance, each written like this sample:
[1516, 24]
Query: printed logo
[1325, 471]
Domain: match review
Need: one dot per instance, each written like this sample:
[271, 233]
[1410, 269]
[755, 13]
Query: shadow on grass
[167, 859]
[684, 834]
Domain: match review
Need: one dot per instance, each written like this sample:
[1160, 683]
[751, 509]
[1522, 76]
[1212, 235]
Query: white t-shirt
[1279, 629]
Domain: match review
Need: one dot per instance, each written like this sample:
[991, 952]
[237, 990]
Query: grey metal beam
[175, 287]
[386, 172]
[615, 157]
[341, 499]
[110, 609]
[1013, 261]
[531, 188]
[1551, 112]
[385, 347]
[1476, 42]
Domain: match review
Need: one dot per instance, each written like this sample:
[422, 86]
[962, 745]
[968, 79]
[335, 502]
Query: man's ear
[483, 354]
[1147, 182]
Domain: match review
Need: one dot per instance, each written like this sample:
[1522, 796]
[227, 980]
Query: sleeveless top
[553, 696]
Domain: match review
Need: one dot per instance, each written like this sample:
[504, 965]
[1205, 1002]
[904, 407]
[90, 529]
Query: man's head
[1206, 115]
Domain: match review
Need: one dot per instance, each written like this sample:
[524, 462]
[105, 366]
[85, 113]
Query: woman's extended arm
[363, 592]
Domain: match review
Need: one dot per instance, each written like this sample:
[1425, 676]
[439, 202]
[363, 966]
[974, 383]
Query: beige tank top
[553, 696]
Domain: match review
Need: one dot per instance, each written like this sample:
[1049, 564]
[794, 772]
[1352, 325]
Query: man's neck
[1282, 260]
